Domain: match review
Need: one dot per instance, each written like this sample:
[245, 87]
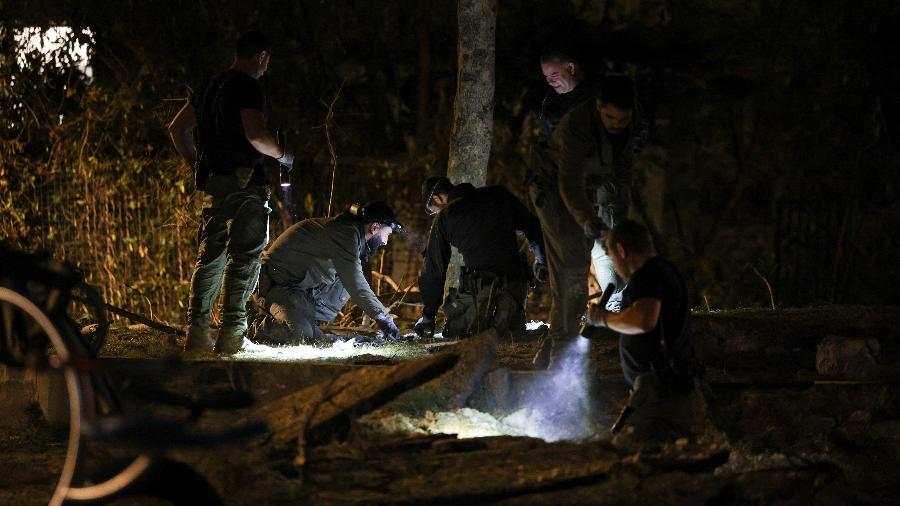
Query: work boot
[198, 340]
[231, 341]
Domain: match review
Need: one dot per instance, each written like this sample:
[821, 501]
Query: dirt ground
[791, 434]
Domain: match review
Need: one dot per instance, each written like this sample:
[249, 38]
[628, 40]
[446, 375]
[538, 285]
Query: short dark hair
[559, 50]
[617, 90]
[435, 185]
[376, 211]
[251, 43]
[632, 235]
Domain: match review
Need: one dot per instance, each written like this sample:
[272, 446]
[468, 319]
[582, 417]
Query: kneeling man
[655, 347]
[311, 270]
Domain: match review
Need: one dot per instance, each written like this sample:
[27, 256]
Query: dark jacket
[541, 165]
[482, 223]
[555, 106]
[592, 172]
[318, 252]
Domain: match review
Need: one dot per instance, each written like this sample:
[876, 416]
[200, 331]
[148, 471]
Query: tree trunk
[473, 108]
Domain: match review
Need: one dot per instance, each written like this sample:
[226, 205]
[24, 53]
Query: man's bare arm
[638, 318]
[180, 132]
[259, 135]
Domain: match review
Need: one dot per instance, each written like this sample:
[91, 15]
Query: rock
[849, 358]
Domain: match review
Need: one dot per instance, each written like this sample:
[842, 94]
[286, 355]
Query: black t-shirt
[221, 136]
[642, 353]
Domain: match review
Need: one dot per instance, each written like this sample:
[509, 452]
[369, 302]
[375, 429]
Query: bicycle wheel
[22, 322]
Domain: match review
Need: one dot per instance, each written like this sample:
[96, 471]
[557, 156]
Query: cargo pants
[483, 301]
[568, 254]
[291, 314]
[234, 231]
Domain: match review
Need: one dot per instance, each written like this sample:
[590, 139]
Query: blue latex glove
[386, 324]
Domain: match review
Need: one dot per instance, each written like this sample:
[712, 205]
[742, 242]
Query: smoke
[557, 406]
[553, 408]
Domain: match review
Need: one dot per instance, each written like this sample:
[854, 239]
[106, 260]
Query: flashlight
[588, 330]
[284, 176]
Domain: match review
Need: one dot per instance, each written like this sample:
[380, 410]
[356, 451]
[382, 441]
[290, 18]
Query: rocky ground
[803, 407]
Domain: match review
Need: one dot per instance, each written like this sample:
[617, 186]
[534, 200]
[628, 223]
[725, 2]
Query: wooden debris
[458, 471]
[451, 390]
[319, 412]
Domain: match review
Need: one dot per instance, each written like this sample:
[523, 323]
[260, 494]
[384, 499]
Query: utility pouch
[483, 300]
[461, 313]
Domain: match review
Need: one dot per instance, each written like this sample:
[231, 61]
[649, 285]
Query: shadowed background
[772, 178]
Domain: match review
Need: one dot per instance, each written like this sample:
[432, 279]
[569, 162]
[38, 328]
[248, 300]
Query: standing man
[232, 140]
[569, 87]
[596, 147]
[483, 224]
[655, 348]
[593, 150]
[315, 266]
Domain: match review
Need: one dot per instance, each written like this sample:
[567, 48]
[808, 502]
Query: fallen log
[451, 390]
[325, 410]
[454, 471]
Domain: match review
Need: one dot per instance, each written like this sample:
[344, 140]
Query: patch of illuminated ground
[339, 350]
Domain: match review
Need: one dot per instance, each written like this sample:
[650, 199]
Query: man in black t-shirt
[655, 348]
[232, 139]
[653, 323]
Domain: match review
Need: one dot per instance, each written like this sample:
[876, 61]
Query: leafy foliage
[756, 105]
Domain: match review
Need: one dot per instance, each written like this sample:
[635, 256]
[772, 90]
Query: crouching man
[314, 267]
[655, 347]
[483, 224]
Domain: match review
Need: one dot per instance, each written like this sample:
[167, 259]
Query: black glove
[540, 271]
[386, 323]
[596, 229]
[425, 327]
[287, 159]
